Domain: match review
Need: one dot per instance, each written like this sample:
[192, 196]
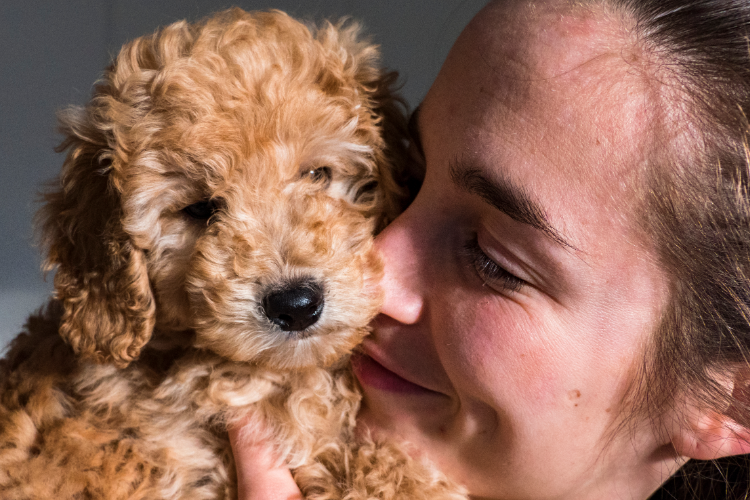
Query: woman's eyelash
[488, 270]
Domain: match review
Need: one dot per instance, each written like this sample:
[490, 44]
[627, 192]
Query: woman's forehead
[544, 40]
[570, 128]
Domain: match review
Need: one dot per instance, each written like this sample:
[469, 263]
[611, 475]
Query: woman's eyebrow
[506, 197]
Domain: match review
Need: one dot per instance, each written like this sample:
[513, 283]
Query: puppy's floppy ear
[101, 277]
[395, 172]
[361, 69]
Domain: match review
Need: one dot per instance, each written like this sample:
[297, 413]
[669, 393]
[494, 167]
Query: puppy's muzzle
[295, 307]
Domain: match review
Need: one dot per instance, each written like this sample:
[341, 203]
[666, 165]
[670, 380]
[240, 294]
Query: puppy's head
[226, 179]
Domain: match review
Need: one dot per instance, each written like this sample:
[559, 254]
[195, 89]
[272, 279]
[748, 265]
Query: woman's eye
[202, 210]
[489, 271]
[321, 175]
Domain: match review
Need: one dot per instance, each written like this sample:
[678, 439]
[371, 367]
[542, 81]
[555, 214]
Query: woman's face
[519, 292]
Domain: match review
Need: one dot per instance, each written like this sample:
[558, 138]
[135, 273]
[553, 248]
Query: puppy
[211, 232]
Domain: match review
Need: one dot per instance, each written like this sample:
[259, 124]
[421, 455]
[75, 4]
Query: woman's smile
[370, 372]
[372, 368]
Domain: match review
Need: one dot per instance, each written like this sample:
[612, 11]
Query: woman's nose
[402, 280]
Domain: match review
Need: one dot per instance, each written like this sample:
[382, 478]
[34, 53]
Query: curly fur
[159, 338]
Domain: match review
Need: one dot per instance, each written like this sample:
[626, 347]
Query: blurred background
[54, 51]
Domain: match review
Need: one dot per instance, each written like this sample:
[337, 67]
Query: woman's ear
[705, 434]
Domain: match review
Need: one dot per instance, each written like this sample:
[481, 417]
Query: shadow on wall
[54, 51]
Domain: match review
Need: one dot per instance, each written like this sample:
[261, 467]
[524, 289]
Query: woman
[574, 270]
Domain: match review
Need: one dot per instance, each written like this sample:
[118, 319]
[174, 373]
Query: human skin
[510, 335]
[516, 389]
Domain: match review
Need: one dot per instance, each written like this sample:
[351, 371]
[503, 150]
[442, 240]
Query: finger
[258, 475]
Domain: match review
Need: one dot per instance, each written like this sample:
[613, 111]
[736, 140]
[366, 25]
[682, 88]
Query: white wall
[54, 51]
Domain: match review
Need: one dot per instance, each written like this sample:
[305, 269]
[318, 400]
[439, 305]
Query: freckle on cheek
[574, 395]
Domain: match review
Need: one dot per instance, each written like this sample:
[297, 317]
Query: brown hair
[698, 213]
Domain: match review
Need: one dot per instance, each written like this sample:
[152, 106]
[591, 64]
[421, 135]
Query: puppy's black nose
[295, 307]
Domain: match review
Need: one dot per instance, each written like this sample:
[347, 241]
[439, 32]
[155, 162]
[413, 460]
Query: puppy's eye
[321, 175]
[203, 210]
[366, 192]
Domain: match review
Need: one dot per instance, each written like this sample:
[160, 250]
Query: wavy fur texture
[216, 165]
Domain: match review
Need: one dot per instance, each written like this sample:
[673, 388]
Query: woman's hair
[696, 209]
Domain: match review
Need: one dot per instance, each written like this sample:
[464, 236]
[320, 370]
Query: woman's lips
[373, 374]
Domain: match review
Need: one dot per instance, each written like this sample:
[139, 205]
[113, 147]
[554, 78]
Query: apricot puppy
[212, 232]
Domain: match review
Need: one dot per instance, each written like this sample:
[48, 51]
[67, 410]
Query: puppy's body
[212, 235]
[156, 429]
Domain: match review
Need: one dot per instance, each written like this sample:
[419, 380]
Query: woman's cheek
[509, 356]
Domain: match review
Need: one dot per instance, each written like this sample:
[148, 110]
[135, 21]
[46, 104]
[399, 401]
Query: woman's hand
[258, 476]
